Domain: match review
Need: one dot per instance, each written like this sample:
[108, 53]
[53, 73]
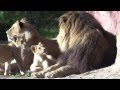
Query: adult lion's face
[63, 37]
[15, 30]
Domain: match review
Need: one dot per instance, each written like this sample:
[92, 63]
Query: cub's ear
[21, 24]
[33, 49]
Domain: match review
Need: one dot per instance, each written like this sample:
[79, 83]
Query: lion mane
[84, 46]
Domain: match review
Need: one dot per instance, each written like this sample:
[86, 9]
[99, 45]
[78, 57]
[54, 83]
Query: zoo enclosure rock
[108, 19]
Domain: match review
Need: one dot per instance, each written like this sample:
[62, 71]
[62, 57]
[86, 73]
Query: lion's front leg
[7, 68]
[41, 74]
[17, 57]
[61, 72]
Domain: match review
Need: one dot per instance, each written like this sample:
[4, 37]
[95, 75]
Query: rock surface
[111, 72]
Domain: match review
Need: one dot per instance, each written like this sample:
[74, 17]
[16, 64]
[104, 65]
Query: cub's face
[38, 49]
[15, 30]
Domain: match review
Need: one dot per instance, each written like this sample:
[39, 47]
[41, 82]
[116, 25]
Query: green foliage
[45, 21]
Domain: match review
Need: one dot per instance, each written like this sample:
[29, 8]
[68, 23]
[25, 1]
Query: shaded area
[46, 22]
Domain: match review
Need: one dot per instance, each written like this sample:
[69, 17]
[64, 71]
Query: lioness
[32, 38]
[41, 59]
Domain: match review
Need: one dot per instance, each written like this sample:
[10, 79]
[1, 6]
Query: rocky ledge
[111, 72]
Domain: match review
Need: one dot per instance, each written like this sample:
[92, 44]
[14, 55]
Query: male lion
[84, 46]
[31, 37]
[41, 59]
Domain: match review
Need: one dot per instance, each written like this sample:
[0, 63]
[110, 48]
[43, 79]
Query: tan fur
[41, 59]
[84, 46]
[19, 42]
[7, 55]
[32, 38]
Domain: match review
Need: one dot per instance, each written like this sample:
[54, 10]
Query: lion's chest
[38, 60]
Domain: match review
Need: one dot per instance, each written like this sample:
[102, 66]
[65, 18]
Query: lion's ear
[33, 48]
[21, 24]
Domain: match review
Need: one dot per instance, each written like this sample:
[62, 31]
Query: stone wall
[108, 19]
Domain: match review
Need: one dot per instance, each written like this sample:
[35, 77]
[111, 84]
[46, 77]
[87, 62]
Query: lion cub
[41, 59]
[7, 54]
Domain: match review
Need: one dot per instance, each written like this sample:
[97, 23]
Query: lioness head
[21, 27]
[15, 30]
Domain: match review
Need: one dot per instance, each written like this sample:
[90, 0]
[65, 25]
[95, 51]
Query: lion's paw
[37, 75]
[49, 75]
[5, 74]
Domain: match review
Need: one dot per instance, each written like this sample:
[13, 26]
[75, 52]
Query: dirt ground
[111, 72]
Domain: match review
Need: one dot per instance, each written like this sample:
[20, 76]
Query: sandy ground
[111, 72]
